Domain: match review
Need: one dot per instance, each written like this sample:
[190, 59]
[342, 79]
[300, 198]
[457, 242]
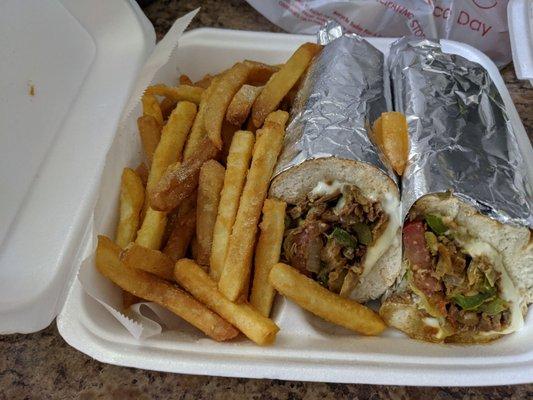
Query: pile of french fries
[190, 214]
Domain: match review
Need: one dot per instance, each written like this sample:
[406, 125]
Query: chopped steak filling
[326, 237]
[465, 291]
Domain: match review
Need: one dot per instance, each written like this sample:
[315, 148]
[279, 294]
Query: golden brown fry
[177, 93]
[142, 171]
[238, 161]
[282, 81]
[260, 73]
[176, 185]
[205, 82]
[152, 288]
[181, 235]
[198, 132]
[242, 103]
[150, 133]
[256, 327]
[185, 80]
[167, 152]
[167, 105]
[235, 275]
[131, 203]
[391, 135]
[153, 261]
[267, 254]
[310, 295]
[218, 102]
[151, 108]
[209, 186]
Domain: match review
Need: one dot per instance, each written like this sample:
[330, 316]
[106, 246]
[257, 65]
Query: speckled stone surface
[43, 366]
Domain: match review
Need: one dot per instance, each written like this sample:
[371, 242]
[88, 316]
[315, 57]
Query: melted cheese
[323, 188]
[391, 206]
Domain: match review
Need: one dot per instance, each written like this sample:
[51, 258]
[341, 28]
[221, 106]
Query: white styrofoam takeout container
[520, 18]
[49, 235]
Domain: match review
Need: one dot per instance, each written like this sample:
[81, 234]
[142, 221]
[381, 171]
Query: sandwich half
[342, 225]
[465, 277]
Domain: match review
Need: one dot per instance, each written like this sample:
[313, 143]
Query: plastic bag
[480, 23]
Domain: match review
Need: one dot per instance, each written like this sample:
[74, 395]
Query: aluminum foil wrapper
[461, 139]
[340, 97]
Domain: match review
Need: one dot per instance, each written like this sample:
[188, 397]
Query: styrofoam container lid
[520, 18]
[67, 68]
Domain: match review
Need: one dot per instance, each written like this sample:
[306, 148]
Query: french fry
[153, 261]
[228, 131]
[309, 295]
[241, 104]
[178, 184]
[167, 105]
[209, 186]
[282, 81]
[152, 288]
[142, 171]
[185, 80]
[390, 134]
[235, 275]
[259, 73]
[237, 164]
[198, 132]
[205, 82]
[183, 231]
[267, 254]
[131, 203]
[167, 152]
[150, 133]
[218, 102]
[177, 93]
[151, 108]
[192, 277]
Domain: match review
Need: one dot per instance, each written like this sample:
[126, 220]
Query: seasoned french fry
[267, 254]
[198, 132]
[131, 203]
[391, 135]
[181, 235]
[259, 73]
[153, 261]
[237, 164]
[228, 131]
[142, 171]
[235, 275]
[242, 103]
[152, 288]
[167, 105]
[205, 82]
[150, 133]
[218, 102]
[310, 295]
[167, 152]
[176, 185]
[282, 81]
[177, 93]
[151, 108]
[209, 186]
[185, 80]
[256, 327]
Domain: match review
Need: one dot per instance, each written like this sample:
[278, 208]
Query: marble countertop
[43, 366]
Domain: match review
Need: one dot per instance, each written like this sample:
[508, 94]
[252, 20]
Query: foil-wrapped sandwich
[343, 214]
[468, 252]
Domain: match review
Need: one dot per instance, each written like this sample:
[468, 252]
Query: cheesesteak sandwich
[342, 224]
[467, 245]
